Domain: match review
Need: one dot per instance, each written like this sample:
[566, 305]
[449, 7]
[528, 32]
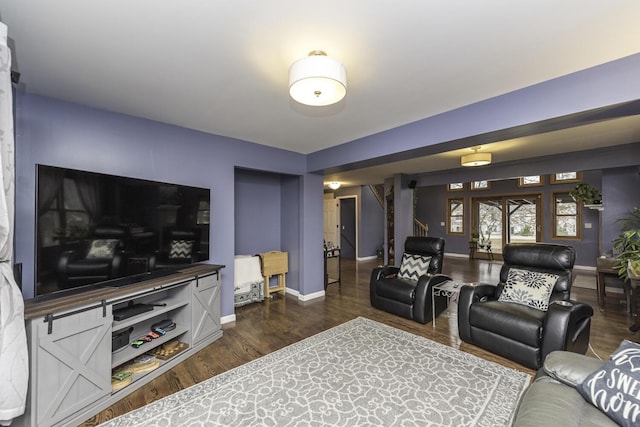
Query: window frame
[555, 215]
[522, 184]
[554, 178]
[455, 189]
[472, 186]
[462, 217]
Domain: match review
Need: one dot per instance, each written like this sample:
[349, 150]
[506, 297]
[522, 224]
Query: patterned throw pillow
[529, 288]
[615, 387]
[181, 248]
[413, 266]
[102, 248]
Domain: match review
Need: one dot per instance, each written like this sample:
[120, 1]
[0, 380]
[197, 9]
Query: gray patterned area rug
[360, 373]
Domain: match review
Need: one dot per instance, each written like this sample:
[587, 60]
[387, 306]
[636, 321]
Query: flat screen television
[94, 229]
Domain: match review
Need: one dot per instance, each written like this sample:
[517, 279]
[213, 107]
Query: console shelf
[70, 346]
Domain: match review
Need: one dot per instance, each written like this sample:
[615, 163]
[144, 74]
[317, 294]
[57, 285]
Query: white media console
[70, 341]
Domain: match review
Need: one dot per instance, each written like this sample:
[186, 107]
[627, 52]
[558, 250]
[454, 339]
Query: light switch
[587, 225]
[442, 224]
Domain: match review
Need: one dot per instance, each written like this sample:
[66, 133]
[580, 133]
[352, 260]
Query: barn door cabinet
[70, 348]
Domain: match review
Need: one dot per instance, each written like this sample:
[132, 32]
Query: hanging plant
[587, 194]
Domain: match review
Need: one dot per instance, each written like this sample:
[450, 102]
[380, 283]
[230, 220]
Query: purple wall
[258, 212]
[58, 133]
[371, 234]
[621, 193]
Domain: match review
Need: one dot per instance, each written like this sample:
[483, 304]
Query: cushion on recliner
[413, 266]
[397, 289]
[515, 321]
[530, 288]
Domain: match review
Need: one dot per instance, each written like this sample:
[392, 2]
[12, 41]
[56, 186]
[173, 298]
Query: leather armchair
[76, 269]
[518, 332]
[409, 298]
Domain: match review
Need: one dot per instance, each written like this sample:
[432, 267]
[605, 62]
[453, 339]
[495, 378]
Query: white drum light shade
[334, 185]
[476, 159]
[317, 80]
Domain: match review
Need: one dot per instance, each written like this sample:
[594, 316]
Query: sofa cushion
[530, 288]
[515, 321]
[413, 266]
[615, 387]
[102, 248]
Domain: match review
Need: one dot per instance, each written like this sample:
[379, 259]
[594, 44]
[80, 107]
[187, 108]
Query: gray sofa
[552, 400]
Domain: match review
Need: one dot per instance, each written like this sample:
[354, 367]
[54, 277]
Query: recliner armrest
[380, 272]
[470, 294]
[377, 274]
[566, 327]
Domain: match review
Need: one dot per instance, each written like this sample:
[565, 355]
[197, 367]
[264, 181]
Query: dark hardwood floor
[262, 328]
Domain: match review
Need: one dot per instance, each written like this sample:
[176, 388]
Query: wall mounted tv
[97, 229]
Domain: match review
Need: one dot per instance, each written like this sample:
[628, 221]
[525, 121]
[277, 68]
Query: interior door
[348, 227]
[331, 225]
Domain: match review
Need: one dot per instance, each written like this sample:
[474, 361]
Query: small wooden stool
[274, 263]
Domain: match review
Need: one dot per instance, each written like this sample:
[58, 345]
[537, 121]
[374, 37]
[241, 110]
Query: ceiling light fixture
[476, 159]
[334, 185]
[317, 80]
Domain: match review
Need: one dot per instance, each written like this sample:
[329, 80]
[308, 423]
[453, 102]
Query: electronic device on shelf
[131, 310]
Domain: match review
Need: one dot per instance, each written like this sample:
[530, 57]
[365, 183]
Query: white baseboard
[228, 319]
[309, 297]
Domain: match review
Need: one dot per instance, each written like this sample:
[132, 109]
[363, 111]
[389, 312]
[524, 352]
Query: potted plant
[586, 193]
[627, 246]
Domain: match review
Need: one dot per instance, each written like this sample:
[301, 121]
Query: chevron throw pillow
[181, 248]
[413, 266]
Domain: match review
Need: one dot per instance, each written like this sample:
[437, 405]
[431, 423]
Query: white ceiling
[220, 66]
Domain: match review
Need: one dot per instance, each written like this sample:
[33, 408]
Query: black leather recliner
[408, 298]
[76, 269]
[518, 332]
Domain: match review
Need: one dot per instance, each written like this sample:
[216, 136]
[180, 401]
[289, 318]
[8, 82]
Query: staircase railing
[420, 229]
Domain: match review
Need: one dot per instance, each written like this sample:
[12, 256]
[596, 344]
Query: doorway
[507, 219]
[348, 237]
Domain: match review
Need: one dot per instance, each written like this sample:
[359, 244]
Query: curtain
[14, 366]
[89, 191]
[49, 185]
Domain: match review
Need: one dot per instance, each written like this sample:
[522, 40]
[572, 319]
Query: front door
[506, 219]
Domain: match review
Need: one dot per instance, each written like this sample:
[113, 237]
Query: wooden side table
[274, 263]
[606, 267]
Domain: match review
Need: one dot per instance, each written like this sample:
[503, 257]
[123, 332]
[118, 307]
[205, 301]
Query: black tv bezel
[119, 281]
